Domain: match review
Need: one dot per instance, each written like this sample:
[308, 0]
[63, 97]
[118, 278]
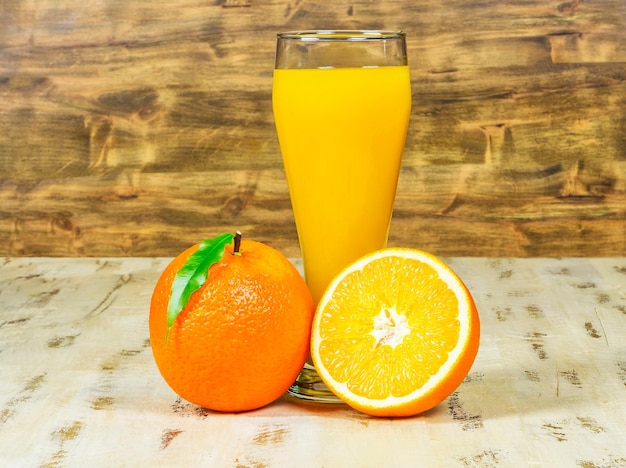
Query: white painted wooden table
[78, 386]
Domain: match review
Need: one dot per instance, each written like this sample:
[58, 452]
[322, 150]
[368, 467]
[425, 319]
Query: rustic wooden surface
[79, 387]
[137, 128]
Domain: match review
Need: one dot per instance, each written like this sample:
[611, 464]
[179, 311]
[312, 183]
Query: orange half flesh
[395, 333]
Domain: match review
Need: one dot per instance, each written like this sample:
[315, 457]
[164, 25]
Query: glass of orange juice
[341, 102]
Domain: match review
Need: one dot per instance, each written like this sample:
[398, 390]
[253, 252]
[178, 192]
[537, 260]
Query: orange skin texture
[243, 337]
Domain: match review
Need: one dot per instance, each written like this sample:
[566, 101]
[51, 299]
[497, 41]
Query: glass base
[310, 387]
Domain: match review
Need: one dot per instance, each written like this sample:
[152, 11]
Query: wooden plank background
[137, 128]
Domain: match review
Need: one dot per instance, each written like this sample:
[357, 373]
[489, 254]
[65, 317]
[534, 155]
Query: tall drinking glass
[341, 102]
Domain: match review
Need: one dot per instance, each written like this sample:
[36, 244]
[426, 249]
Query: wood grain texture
[79, 387]
[137, 128]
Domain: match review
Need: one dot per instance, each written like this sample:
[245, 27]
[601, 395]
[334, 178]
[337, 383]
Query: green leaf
[193, 274]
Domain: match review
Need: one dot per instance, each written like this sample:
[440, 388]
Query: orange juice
[341, 134]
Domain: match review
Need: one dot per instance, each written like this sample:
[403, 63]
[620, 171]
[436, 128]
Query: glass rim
[338, 35]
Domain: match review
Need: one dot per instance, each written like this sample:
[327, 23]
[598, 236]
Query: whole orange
[243, 336]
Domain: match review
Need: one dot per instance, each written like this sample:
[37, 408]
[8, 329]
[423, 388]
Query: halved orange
[395, 333]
